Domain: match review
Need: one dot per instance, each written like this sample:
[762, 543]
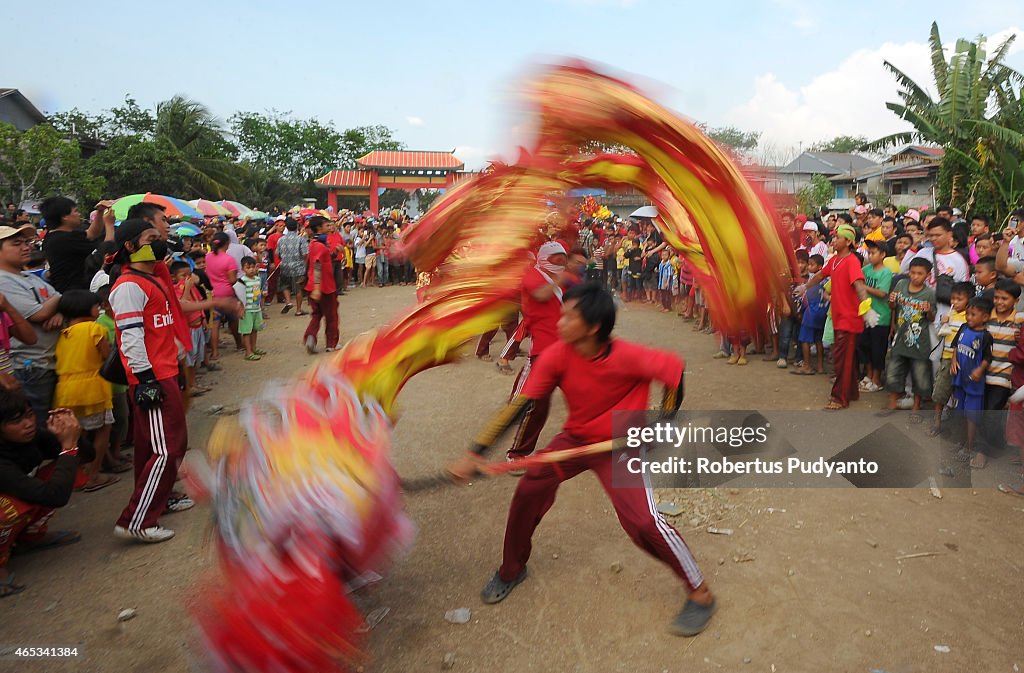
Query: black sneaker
[498, 590]
[693, 618]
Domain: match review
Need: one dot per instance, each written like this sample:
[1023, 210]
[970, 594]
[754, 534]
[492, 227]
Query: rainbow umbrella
[174, 208]
[257, 215]
[209, 208]
[235, 208]
[187, 230]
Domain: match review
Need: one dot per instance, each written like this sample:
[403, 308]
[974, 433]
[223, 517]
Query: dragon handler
[598, 375]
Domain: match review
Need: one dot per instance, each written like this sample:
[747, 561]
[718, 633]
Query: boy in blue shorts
[812, 325]
[972, 357]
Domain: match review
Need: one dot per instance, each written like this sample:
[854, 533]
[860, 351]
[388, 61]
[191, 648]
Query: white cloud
[997, 39]
[849, 100]
[475, 158]
[414, 121]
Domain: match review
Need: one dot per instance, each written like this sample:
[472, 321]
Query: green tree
[392, 198]
[732, 137]
[841, 144]
[976, 118]
[40, 162]
[207, 158]
[426, 198]
[133, 165]
[817, 193]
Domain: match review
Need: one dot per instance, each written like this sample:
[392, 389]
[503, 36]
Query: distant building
[17, 110]
[907, 178]
[789, 179]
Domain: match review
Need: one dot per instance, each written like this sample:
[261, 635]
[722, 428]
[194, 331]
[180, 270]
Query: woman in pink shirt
[222, 270]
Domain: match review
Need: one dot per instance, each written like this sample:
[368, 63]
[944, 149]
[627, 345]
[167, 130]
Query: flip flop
[978, 467]
[800, 372]
[504, 369]
[1010, 490]
[301, 313]
[95, 484]
[117, 468]
[253, 357]
[916, 418]
[833, 406]
[8, 587]
[57, 538]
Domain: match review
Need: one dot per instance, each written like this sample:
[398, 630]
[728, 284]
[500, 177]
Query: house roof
[827, 163]
[410, 159]
[25, 103]
[918, 152]
[344, 179]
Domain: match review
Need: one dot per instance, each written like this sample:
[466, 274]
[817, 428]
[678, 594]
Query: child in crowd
[12, 324]
[185, 287]
[942, 390]
[815, 306]
[985, 276]
[874, 341]
[789, 327]
[914, 305]
[972, 359]
[259, 251]
[119, 392]
[247, 289]
[1005, 327]
[686, 289]
[665, 274]
[622, 267]
[635, 264]
[82, 348]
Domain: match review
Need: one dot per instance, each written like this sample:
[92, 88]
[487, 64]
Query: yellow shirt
[79, 384]
[875, 235]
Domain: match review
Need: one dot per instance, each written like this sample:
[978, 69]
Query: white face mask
[553, 269]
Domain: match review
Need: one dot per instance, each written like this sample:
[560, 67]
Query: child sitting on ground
[81, 350]
[942, 390]
[249, 292]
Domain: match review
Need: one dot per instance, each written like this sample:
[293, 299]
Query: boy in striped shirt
[1004, 326]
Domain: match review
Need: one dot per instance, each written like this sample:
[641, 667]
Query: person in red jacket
[598, 375]
[543, 286]
[321, 288]
[148, 317]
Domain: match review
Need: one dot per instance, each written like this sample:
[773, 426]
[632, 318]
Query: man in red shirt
[323, 292]
[542, 306]
[598, 375]
[850, 301]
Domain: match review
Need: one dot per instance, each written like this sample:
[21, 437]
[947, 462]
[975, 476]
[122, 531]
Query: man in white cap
[542, 307]
[812, 240]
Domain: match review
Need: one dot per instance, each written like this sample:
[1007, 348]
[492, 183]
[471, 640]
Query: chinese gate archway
[406, 170]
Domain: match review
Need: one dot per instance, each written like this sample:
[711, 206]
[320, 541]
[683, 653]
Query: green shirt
[882, 280]
[913, 339]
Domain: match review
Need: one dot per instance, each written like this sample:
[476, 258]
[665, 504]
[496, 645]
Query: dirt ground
[809, 581]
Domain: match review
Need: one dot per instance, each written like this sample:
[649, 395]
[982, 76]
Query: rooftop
[410, 159]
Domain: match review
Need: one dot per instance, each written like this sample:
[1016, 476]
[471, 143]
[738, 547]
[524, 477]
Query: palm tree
[191, 129]
[976, 119]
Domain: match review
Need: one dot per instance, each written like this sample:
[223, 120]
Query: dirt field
[809, 581]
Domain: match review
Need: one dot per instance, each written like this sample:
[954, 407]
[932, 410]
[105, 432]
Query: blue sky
[443, 74]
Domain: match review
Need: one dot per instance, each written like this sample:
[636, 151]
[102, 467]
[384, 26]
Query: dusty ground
[816, 587]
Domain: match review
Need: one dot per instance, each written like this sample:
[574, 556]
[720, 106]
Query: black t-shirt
[635, 259]
[66, 252]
